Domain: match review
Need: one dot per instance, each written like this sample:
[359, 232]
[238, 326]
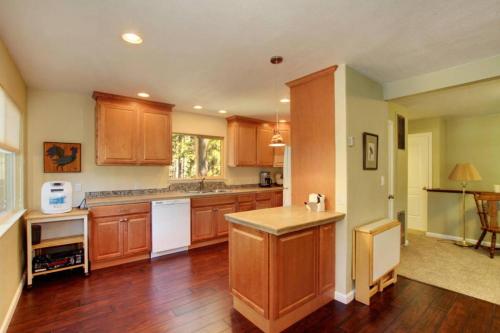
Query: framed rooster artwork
[62, 157]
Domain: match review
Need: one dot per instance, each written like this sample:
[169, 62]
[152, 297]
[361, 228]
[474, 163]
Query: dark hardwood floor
[189, 293]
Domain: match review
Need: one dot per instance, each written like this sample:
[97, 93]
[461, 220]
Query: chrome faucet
[202, 184]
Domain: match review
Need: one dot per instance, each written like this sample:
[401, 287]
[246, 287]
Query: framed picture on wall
[401, 132]
[62, 157]
[370, 151]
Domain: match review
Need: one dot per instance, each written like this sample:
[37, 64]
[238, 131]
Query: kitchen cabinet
[279, 152]
[246, 202]
[278, 199]
[265, 153]
[207, 218]
[248, 142]
[119, 234]
[131, 131]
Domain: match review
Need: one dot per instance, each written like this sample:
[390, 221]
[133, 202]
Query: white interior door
[419, 176]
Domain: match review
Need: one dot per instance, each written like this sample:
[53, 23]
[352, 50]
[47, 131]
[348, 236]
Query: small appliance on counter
[265, 179]
[278, 177]
[316, 202]
[56, 197]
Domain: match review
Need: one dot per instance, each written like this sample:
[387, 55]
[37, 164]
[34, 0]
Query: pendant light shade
[277, 139]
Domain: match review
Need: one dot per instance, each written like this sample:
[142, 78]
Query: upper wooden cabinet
[265, 154]
[131, 131]
[248, 142]
[279, 152]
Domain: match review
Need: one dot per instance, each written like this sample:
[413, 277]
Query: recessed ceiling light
[132, 38]
[222, 111]
[283, 121]
[285, 100]
[198, 107]
[143, 94]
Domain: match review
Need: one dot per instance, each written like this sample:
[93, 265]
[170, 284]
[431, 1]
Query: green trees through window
[196, 156]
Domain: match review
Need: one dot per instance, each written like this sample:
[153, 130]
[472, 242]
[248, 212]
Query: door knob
[390, 197]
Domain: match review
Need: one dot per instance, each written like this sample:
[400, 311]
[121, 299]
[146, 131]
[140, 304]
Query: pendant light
[277, 139]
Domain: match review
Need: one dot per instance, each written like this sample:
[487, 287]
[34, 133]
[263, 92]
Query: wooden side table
[36, 217]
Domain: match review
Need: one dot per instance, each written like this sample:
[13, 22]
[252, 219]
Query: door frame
[427, 135]
[390, 170]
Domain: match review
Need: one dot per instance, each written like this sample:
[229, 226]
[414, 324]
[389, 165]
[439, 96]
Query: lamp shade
[464, 172]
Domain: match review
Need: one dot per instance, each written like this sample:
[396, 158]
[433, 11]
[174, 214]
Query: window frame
[198, 176]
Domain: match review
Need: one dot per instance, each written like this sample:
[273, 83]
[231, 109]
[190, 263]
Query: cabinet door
[278, 199]
[106, 238]
[279, 152]
[326, 257]
[265, 154]
[202, 224]
[246, 150]
[294, 270]
[137, 234]
[260, 204]
[116, 135]
[245, 206]
[222, 225]
[155, 135]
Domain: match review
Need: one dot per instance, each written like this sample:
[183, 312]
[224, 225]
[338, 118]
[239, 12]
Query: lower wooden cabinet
[207, 217]
[119, 234]
[208, 225]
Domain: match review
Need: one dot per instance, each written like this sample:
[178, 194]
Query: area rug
[440, 263]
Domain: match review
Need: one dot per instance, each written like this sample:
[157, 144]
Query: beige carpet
[464, 270]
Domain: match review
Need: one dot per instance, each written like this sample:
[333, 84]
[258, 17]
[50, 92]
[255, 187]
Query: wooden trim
[246, 119]
[105, 96]
[312, 76]
[109, 263]
[207, 243]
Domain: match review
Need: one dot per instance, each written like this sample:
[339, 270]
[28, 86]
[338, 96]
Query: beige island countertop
[282, 220]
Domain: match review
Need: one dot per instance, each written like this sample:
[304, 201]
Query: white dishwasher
[171, 230]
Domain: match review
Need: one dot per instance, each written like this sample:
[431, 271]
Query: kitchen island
[282, 264]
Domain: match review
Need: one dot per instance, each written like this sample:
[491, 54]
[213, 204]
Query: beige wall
[56, 116]
[359, 108]
[437, 127]
[474, 139]
[11, 244]
[366, 112]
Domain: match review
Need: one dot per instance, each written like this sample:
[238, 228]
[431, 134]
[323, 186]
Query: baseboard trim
[13, 305]
[456, 238]
[345, 298]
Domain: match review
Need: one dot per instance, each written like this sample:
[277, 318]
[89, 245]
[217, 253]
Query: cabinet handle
[123, 220]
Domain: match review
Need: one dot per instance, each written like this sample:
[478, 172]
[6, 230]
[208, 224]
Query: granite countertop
[139, 198]
[283, 220]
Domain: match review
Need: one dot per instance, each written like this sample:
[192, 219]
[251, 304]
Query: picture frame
[62, 157]
[401, 123]
[370, 151]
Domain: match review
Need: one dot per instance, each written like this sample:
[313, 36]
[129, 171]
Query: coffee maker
[265, 179]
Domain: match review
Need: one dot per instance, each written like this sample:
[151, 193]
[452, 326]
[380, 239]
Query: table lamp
[464, 172]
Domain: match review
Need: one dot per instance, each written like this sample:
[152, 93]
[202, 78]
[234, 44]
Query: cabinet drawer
[115, 210]
[211, 201]
[246, 198]
[264, 196]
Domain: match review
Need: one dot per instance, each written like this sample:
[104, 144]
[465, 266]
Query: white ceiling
[216, 52]
[471, 99]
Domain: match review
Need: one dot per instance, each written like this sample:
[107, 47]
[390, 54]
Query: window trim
[222, 159]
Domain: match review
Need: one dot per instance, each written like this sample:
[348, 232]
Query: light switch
[78, 187]
[382, 180]
[350, 141]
